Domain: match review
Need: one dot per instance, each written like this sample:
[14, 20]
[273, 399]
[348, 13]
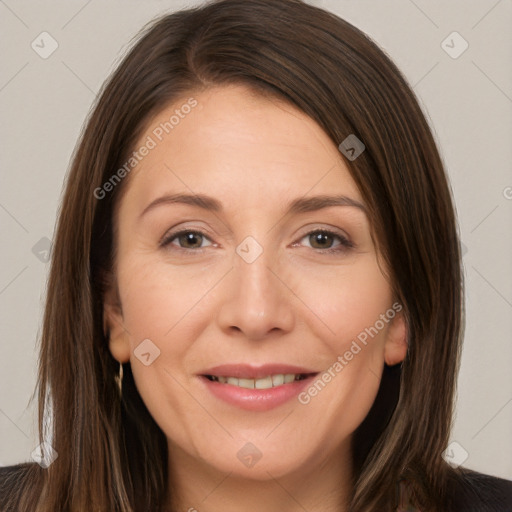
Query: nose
[256, 301]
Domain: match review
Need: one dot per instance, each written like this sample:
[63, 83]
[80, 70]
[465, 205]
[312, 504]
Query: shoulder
[471, 491]
[14, 483]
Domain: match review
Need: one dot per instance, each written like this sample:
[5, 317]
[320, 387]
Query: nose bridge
[256, 302]
[252, 261]
[255, 278]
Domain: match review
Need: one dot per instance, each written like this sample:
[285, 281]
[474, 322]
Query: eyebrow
[300, 205]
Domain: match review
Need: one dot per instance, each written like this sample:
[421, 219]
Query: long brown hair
[112, 455]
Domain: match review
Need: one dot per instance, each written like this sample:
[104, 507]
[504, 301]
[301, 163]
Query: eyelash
[344, 245]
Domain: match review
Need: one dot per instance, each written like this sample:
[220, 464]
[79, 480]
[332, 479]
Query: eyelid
[327, 229]
[169, 236]
[345, 241]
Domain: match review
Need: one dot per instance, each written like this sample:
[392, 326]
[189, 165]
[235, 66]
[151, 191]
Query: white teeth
[263, 383]
[246, 383]
[277, 380]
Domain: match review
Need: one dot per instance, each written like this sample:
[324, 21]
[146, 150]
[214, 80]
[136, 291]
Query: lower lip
[256, 399]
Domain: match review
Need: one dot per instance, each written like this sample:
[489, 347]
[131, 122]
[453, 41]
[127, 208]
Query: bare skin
[202, 304]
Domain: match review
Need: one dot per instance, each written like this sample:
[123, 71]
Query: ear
[113, 326]
[395, 348]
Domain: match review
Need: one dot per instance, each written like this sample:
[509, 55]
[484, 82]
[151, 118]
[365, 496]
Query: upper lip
[248, 371]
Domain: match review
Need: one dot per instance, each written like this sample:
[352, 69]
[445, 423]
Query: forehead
[233, 143]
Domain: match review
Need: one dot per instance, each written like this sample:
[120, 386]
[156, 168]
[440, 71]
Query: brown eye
[321, 240]
[327, 241]
[190, 240]
[186, 240]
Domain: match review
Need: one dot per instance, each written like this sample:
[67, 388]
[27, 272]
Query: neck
[322, 486]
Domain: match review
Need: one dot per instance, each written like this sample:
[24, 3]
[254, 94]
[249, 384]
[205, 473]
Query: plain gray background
[467, 100]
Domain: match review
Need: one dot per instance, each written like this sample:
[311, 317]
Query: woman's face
[254, 312]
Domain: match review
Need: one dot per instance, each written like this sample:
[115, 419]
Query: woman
[255, 299]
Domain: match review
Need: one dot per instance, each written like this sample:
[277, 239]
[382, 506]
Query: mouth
[268, 382]
[256, 388]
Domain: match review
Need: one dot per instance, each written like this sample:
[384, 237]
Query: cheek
[165, 307]
[346, 302]
[157, 298]
[170, 306]
[354, 308]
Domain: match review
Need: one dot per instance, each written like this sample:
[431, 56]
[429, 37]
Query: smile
[255, 388]
[271, 381]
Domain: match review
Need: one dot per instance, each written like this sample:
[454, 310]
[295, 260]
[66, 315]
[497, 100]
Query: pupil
[321, 239]
[188, 238]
